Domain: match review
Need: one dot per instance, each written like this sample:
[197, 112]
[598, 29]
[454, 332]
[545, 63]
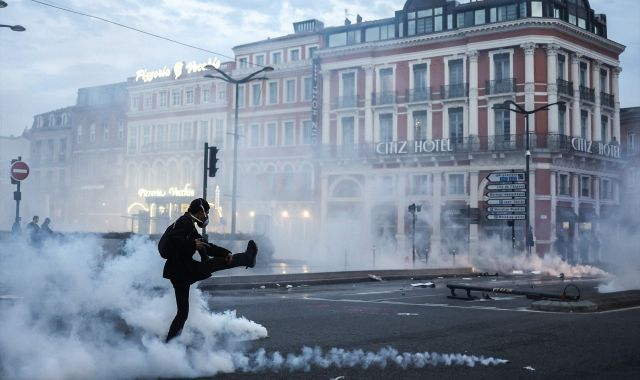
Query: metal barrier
[531, 295]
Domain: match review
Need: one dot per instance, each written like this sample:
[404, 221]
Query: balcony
[587, 94]
[454, 91]
[607, 100]
[500, 86]
[418, 95]
[382, 98]
[349, 101]
[565, 87]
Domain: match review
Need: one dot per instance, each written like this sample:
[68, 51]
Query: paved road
[371, 316]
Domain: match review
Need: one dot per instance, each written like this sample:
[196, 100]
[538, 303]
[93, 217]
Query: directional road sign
[506, 194]
[506, 177]
[507, 202]
[505, 216]
[506, 186]
[19, 171]
[506, 209]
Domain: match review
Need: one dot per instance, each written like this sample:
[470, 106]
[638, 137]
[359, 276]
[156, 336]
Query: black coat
[179, 241]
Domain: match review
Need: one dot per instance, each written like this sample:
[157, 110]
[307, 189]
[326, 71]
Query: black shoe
[252, 251]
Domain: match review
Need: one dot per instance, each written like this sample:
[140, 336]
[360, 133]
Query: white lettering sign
[187, 191]
[421, 146]
[606, 150]
[179, 68]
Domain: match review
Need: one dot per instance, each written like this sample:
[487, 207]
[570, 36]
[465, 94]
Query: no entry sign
[19, 171]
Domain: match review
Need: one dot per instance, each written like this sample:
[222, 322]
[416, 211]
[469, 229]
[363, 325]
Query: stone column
[368, 112]
[326, 106]
[529, 82]
[552, 87]
[616, 94]
[575, 77]
[596, 131]
[473, 93]
[554, 203]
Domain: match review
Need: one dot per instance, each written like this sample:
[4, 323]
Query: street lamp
[413, 209]
[15, 28]
[237, 82]
[506, 105]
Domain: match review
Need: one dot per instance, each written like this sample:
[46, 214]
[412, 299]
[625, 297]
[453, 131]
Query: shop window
[585, 187]
[563, 184]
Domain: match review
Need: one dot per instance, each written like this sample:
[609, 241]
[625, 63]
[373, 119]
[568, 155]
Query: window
[455, 184]
[271, 134]
[255, 135]
[308, 89]
[311, 51]
[260, 60]
[386, 127]
[105, 132]
[503, 13]
[273, 92]
[606, 189]
[572, 19]
[205, 95]
[386, 80]
[372, 34]
[276, 58]
[420, 78]
[563, 184]
[189, 96]
[560, 66]
[420, 125]
[424, 21]
[164, 101]
[132, 139]
[502, 125]
[604, 82]
[456, 124]
[348, 130]
[92, 133]
[176, 97]
[146, 135]
[256, 92]
[604, 128]
[148, 102]
[456, 71]
[501, 66]
[291, 90]
[222, 93]
[585, 186]
[242, 62]
[631, 142]
[338, 39]
[294, 55]
[306, 132]
[120, 130]
[536, 9]
[583, 74]
[289, 137]
[62, 152]
[348, 84]
[353, 37]
[584, 125]
[219, 132]
[562, 120]
[420, 184]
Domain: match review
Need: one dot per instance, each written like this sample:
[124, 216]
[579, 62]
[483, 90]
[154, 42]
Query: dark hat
[197, 204]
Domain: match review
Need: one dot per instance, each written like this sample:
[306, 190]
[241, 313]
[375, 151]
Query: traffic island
[596, 303]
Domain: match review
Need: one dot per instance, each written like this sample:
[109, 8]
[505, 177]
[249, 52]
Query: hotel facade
[358, 122]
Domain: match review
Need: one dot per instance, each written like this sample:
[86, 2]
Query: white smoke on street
[81, 312]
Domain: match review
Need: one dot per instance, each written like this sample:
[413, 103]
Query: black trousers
[182, 289]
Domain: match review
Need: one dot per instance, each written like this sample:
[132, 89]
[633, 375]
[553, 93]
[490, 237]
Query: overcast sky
[42, 68]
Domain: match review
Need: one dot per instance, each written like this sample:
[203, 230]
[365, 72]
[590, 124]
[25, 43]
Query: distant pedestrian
[33, 228]
[45, 230]
[178, 244]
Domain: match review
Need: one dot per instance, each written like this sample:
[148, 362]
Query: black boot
[252, 252]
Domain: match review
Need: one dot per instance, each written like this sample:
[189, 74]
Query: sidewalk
[320, 278]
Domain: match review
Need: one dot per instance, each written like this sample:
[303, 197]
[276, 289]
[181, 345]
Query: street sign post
[506, 195]
[19, 172]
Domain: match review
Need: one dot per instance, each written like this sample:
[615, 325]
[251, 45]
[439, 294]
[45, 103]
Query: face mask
[201, 223]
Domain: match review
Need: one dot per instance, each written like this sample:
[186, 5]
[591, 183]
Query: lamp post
[506, 105]
[237, 82]
[413, 209]
[15, 28]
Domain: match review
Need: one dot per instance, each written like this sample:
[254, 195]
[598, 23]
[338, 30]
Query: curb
[596, 303]
[324, 278]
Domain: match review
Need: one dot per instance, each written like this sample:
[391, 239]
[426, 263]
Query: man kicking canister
[178, 244]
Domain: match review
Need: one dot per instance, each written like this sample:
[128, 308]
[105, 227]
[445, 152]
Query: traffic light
[13, 181]
[213, 161]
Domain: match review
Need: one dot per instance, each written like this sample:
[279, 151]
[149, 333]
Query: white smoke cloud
[81, 312]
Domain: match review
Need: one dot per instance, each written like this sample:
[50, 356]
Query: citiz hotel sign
[413, 147]
[595, 147]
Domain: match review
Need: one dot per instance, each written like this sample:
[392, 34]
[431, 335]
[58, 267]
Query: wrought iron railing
[349, 101]
[418, 95]
[166, 146]
[381, 98]
[607, 100]
[453, 91]
[500, 86]
[587, 94]
[565, 87]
